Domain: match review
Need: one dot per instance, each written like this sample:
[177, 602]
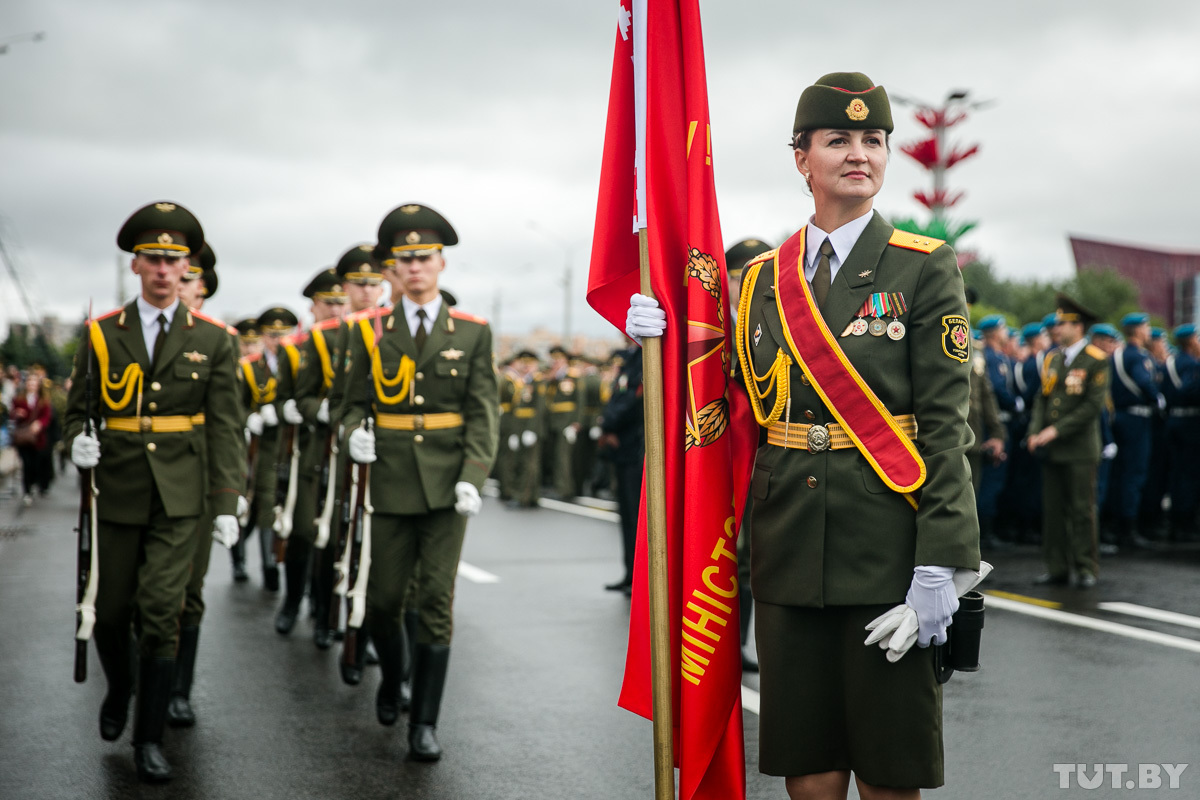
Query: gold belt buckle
[818, 438]
[145, 424]
[419, 422]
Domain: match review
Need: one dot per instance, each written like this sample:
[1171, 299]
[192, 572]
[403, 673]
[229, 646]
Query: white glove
[1162, 403]
[1020, 404]
[1109, 452]
[225, 530]
[254, 423]
[595, 433]
[514, 442]
[469, 502]
[529, 438]
[570, 434]
[362, 445]
[269, 416]
[85, 451]
[932, 596]
[645, 318]
[896, 630]
[243, 507]
[291, 414]
[323, 412]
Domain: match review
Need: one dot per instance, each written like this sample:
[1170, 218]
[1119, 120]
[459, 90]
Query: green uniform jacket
[415, 471]
[312, 386]
[984, 418]
[826, 529]
[1071, 400]
[194, 374]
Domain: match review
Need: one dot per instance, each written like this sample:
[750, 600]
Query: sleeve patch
[956, 337]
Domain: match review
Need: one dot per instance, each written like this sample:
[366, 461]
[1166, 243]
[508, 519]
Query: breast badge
[757, 334]
[196, 357]
[452, 354]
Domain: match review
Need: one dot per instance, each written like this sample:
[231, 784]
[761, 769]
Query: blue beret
[1049, 320]
[1104, 329]
[1032, 329]
[1134, 318]
[1157, 333]
[977, 334]
[991, 322]
[1185, 331]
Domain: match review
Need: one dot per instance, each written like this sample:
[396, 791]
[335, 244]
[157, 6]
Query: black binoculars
[961, 650]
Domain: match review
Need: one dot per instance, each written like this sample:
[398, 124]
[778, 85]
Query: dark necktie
[158, 340]
[821, 279]
[420, 336]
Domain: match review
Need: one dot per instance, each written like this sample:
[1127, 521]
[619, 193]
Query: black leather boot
[322, 595]
[1129, 536]
[745, 606]
[429, 665]
[179, 706]
[237, 554]
[113, 650]
[390, 646]
[412, 618]
[352, 672]
[295, 565]
[153, 689]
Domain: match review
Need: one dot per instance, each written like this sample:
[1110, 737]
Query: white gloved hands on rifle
[645, 318]
[323, 412]
[514, 442]
[291, 413]
[1109, 452]
[570, 434]
[243, 507]
[225, 529]
[85, 451]
[362, 445]
[595, 432]
[254, 424]
[269, 416]
[469, 502]
[898, 629]
[529, 438]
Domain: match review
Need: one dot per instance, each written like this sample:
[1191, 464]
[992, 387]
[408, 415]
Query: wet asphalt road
[534, 675]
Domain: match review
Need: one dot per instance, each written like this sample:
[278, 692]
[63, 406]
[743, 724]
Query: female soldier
[854, 342]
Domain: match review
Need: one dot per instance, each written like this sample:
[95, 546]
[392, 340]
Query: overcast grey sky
[290, 133]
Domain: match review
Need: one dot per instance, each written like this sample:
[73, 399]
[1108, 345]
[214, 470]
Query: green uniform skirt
[831, 703]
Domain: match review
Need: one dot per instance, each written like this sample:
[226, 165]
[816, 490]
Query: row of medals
[895, 329]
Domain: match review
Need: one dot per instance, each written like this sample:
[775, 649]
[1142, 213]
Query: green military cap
[413, 230]
[247, 329]
[559, 349]
[206, 259]
[526, 355]
[1071, 310]
[359, 265]
[843, 100]
[277, 320]
[209, 276]
[737, 256]
[161, 229]
[326, 285]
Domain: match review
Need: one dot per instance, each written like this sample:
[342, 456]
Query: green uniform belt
[816, 438]
[419, 422]
[525, 413]
[559, 407]
[153, 424]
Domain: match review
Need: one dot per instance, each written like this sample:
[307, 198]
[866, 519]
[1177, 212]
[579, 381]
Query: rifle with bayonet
[286, 473]
[86, 556]
[357, 546]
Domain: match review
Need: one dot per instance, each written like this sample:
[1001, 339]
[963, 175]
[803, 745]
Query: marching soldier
[249, 346]
[165, 391]
[433, 400]
[309, 411]
[502, 470]
[562, 424]
[1065, 429]
[523, 437]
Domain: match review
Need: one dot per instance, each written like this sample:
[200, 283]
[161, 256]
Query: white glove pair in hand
[645, 318]
[85, 451]
[225, 528]
[927, 610]
[526, 438]
[291, 413]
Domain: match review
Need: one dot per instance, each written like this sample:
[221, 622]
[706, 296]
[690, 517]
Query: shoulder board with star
[209, 320]
[1095, 352]
[761, 257]
[454, 312]
[112, 313]
[913, 241]
[232, 331]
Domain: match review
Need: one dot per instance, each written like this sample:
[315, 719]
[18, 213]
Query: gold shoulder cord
[404, 374]
[259, 396]
[130, 382]
[293, 354]
[778, 375]
[323, 354]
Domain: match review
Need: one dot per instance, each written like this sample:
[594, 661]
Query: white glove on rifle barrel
[291, 413]
[362, 445]
[645, 318]
[570, 434]
[269, 417]
[514, 442]
[85, 451]
[225, 530]
[529, 438]
[595, 433]
[469, 503]
[254, 423]
[323, 412]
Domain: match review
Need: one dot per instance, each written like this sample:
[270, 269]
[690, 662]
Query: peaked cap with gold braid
[161, 229]
[415, 230]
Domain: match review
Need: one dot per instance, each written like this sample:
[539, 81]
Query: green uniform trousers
[427, 545]
[193, 604]
[262, 512]
[526, 465]
[304, 515]
[1069, 517]
[145, 568]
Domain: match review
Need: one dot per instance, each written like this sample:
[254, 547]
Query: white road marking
[1156, 614]
[1104, 626]
[475, 574]
[749, 699]
[582, 511]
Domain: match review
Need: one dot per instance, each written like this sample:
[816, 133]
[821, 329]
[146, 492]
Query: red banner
[710, 435]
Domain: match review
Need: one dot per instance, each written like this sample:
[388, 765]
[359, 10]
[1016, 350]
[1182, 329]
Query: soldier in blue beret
[1181, 388]
[1152, 520]
[1000, 371]
[1023, 495]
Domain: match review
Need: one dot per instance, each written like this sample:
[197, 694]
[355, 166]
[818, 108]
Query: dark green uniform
[260, 387]
[502, 470]
[1071, 400]
[527, 415]
[562, 395]
[983, 417]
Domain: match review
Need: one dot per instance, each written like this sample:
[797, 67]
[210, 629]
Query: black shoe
[619, 586]
[285, 620]
[271, 578]
[1051, 580]
[429, 679]
[179, 707]
[153, 690]
[113, 651]
[237, 555]
[239, 572]
[351, 662]
[389, 642]
[322, 636]
[1085, 581]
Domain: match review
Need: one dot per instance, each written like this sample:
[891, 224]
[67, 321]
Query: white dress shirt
[272, 360]
[843, 241]
[149, 315]
[431, 311]
[1069, 353]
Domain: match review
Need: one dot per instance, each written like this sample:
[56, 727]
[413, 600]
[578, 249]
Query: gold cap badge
[413, 237]
[857, 110]
[366, 248]
[165, 207]
[409, 209]
[165, 238]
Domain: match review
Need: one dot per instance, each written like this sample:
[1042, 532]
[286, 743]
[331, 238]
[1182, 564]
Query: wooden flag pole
[656, 528]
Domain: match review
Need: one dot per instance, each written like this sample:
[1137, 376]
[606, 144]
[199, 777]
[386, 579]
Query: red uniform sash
[872, 428]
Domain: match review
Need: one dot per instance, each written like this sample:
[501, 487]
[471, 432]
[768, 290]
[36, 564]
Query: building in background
[1167, 281]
